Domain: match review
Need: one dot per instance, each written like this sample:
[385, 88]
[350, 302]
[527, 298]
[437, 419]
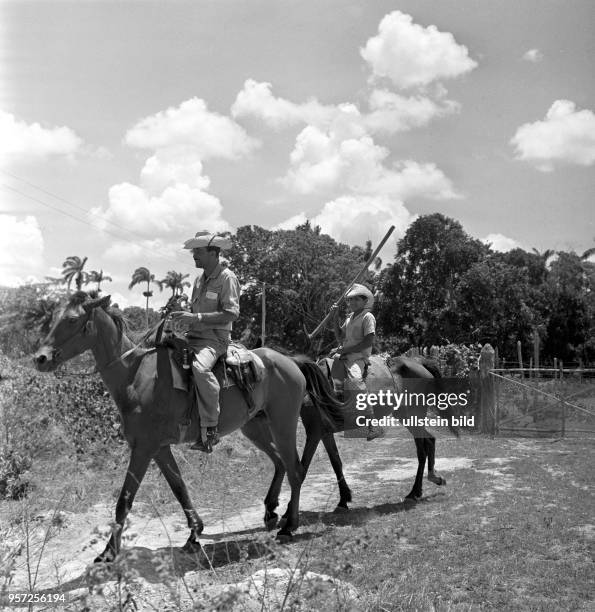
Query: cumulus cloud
[21, 251]
[387, 112]
[292, 222]
[566, 135]
[355, 219]
[23, 141]
[119, 251]
[324, 161]
[533, 55]
[391, 112]
[411, 55]
[132, 207]
[173, 187]
[210, 134]
[257, 100]
[172, 165]
[499, 242]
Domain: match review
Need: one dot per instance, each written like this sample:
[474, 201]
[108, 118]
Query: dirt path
[373, 473]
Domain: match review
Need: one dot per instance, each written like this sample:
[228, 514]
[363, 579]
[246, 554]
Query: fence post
[536, 349]
[562, 404]
[486, 364]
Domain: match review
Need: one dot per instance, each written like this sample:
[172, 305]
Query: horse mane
[82, 297]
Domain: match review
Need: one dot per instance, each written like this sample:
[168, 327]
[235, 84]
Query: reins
[146, 335]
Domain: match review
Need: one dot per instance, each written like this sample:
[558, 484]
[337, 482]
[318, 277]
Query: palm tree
[98, 277]
[174, 281]
[143, 275]
[545, 256]
[72, 269]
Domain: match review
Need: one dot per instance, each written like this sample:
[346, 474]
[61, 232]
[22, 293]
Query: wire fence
[543, 402]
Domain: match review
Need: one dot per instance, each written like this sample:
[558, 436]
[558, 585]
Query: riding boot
[206, 442]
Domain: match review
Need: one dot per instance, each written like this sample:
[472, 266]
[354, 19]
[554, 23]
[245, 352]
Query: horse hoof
[412, 499]
[284, 537]
[105, 557]
[282, 522]
[437, 480]
[341, 509]
[192, 545]
[271, 521]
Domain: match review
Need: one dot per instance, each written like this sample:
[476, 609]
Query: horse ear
[103, 302]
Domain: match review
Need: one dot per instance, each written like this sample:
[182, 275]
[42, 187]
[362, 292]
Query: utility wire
[61, 199]
[67, 214]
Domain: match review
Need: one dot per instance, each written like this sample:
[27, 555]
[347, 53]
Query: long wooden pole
[358, 277]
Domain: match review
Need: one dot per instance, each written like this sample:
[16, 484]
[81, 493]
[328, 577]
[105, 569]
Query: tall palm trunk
[147, 306]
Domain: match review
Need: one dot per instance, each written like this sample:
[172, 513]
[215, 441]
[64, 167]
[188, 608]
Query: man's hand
[184, 316]
[334, 311]
[340, 353]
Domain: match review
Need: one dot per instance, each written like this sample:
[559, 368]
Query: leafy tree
[98, 277]
[72, 269]
[569, 300]
[136, 318]
[493, 302]
[175, 281]
[533, 263]
[431, 259]
[305, 271]
[143, 275]
[26, 314]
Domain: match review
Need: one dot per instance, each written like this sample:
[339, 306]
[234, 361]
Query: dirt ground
[52, 539]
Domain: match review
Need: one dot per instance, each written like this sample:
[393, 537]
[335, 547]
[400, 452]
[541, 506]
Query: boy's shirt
[356, 328]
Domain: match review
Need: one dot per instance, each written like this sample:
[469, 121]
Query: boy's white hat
[362, 291]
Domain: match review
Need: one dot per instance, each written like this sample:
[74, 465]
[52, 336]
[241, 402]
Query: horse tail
[329, 408]
[431, 365]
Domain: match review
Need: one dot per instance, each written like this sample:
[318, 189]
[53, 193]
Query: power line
[61, 199]
[93, 225]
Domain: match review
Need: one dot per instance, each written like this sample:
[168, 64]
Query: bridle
[57, 350]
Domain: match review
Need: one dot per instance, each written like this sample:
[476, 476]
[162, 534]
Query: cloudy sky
[125, 127]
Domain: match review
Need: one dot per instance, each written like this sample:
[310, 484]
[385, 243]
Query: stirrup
[212, 440]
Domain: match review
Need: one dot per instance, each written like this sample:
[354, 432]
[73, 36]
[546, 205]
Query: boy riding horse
[356, 338]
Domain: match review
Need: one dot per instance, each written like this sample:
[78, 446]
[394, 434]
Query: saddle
[338, 384]
[238, 367]
[376, 375]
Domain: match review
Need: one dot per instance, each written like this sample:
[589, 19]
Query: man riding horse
[214, 305]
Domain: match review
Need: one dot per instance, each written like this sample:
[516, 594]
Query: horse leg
[283, 431]
[333, 454]
[433, 476]
[258, 433]
[137, 468]
[416, 491]
[170, 470]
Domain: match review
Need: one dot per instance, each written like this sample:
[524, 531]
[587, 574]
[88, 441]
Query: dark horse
[152, 411]
[393, 376]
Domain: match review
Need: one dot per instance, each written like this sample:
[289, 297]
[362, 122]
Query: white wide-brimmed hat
[205, 238]
[362, 291]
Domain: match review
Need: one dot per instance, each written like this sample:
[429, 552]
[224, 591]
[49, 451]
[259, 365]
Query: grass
[506, 536]
[513, 530]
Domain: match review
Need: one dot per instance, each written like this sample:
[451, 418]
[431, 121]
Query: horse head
[73, 333]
